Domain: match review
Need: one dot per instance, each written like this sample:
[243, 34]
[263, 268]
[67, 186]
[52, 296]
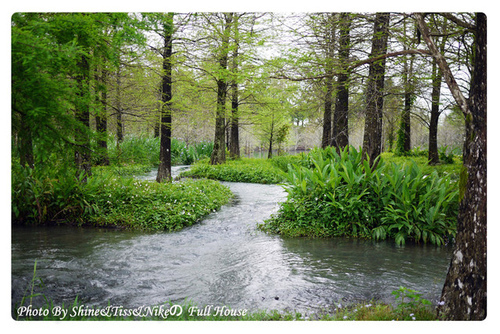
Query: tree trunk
[437, 78]
[119, 120]
[101, 120]
[464, 291]
[219, 150]
[270, 151]
[340, 138]
[330, 54]
[234, 142]
[165, 168]
[82, 151]
[327, 116]
[372, 140]
[405, 117]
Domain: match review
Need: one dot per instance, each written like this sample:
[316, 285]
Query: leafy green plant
[410, 303]
[340, 194]
[445, 157]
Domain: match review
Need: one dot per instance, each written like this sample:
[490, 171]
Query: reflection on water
[223, 260]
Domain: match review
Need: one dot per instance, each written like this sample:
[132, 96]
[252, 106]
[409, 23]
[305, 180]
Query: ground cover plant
[111, 200]
[340, 194]
[239, 170]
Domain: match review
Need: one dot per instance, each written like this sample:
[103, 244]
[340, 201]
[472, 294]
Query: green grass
[145, 150]
[242, 170]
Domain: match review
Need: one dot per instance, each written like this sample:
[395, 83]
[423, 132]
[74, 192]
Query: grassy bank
[242, 170]
[111, 198]
[144, 150]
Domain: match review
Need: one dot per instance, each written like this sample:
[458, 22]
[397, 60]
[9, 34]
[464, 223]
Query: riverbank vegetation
[110, 200]
[251, 170]
[332, 194]
[112, 197]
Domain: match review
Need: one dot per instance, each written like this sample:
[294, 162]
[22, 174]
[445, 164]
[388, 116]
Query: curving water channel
[223, 260]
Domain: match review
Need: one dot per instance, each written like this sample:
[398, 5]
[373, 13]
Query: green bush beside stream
[335, 194]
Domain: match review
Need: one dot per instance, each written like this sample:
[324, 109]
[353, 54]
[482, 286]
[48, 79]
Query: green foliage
[446, 158]
[414, 307]
[183, 154]
[153, 206]
[243, 170]
[145, 150]
[400, 140]
[341, 195]
[107, 199]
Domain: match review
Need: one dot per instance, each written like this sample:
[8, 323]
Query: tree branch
[357, 64]
[443, 65]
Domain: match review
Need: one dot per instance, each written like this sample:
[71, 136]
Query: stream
[223, 260]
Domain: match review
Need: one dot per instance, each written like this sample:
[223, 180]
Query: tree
[41, 89]
[164, 169]
[464, 291]
[234, 140]
[437, 79]
[340, 134]
[328, 44]
[219, 151]
[404, 132]
[372, 140]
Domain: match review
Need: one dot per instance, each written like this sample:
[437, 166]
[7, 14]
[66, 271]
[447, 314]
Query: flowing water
[223, 260]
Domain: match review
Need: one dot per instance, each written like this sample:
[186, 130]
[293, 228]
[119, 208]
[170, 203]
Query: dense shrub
[341, 195]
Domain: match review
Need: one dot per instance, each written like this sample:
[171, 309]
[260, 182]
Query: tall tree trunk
[119, 120]
[464, 292]
[340, 137]
[408, 101]
[271, 135]
[234, 143]
[372, 140]
[165, 167]
[82, 150]
[219, 150]
[433, 125]
[327, 116]
[101, 120]
[330, 54]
